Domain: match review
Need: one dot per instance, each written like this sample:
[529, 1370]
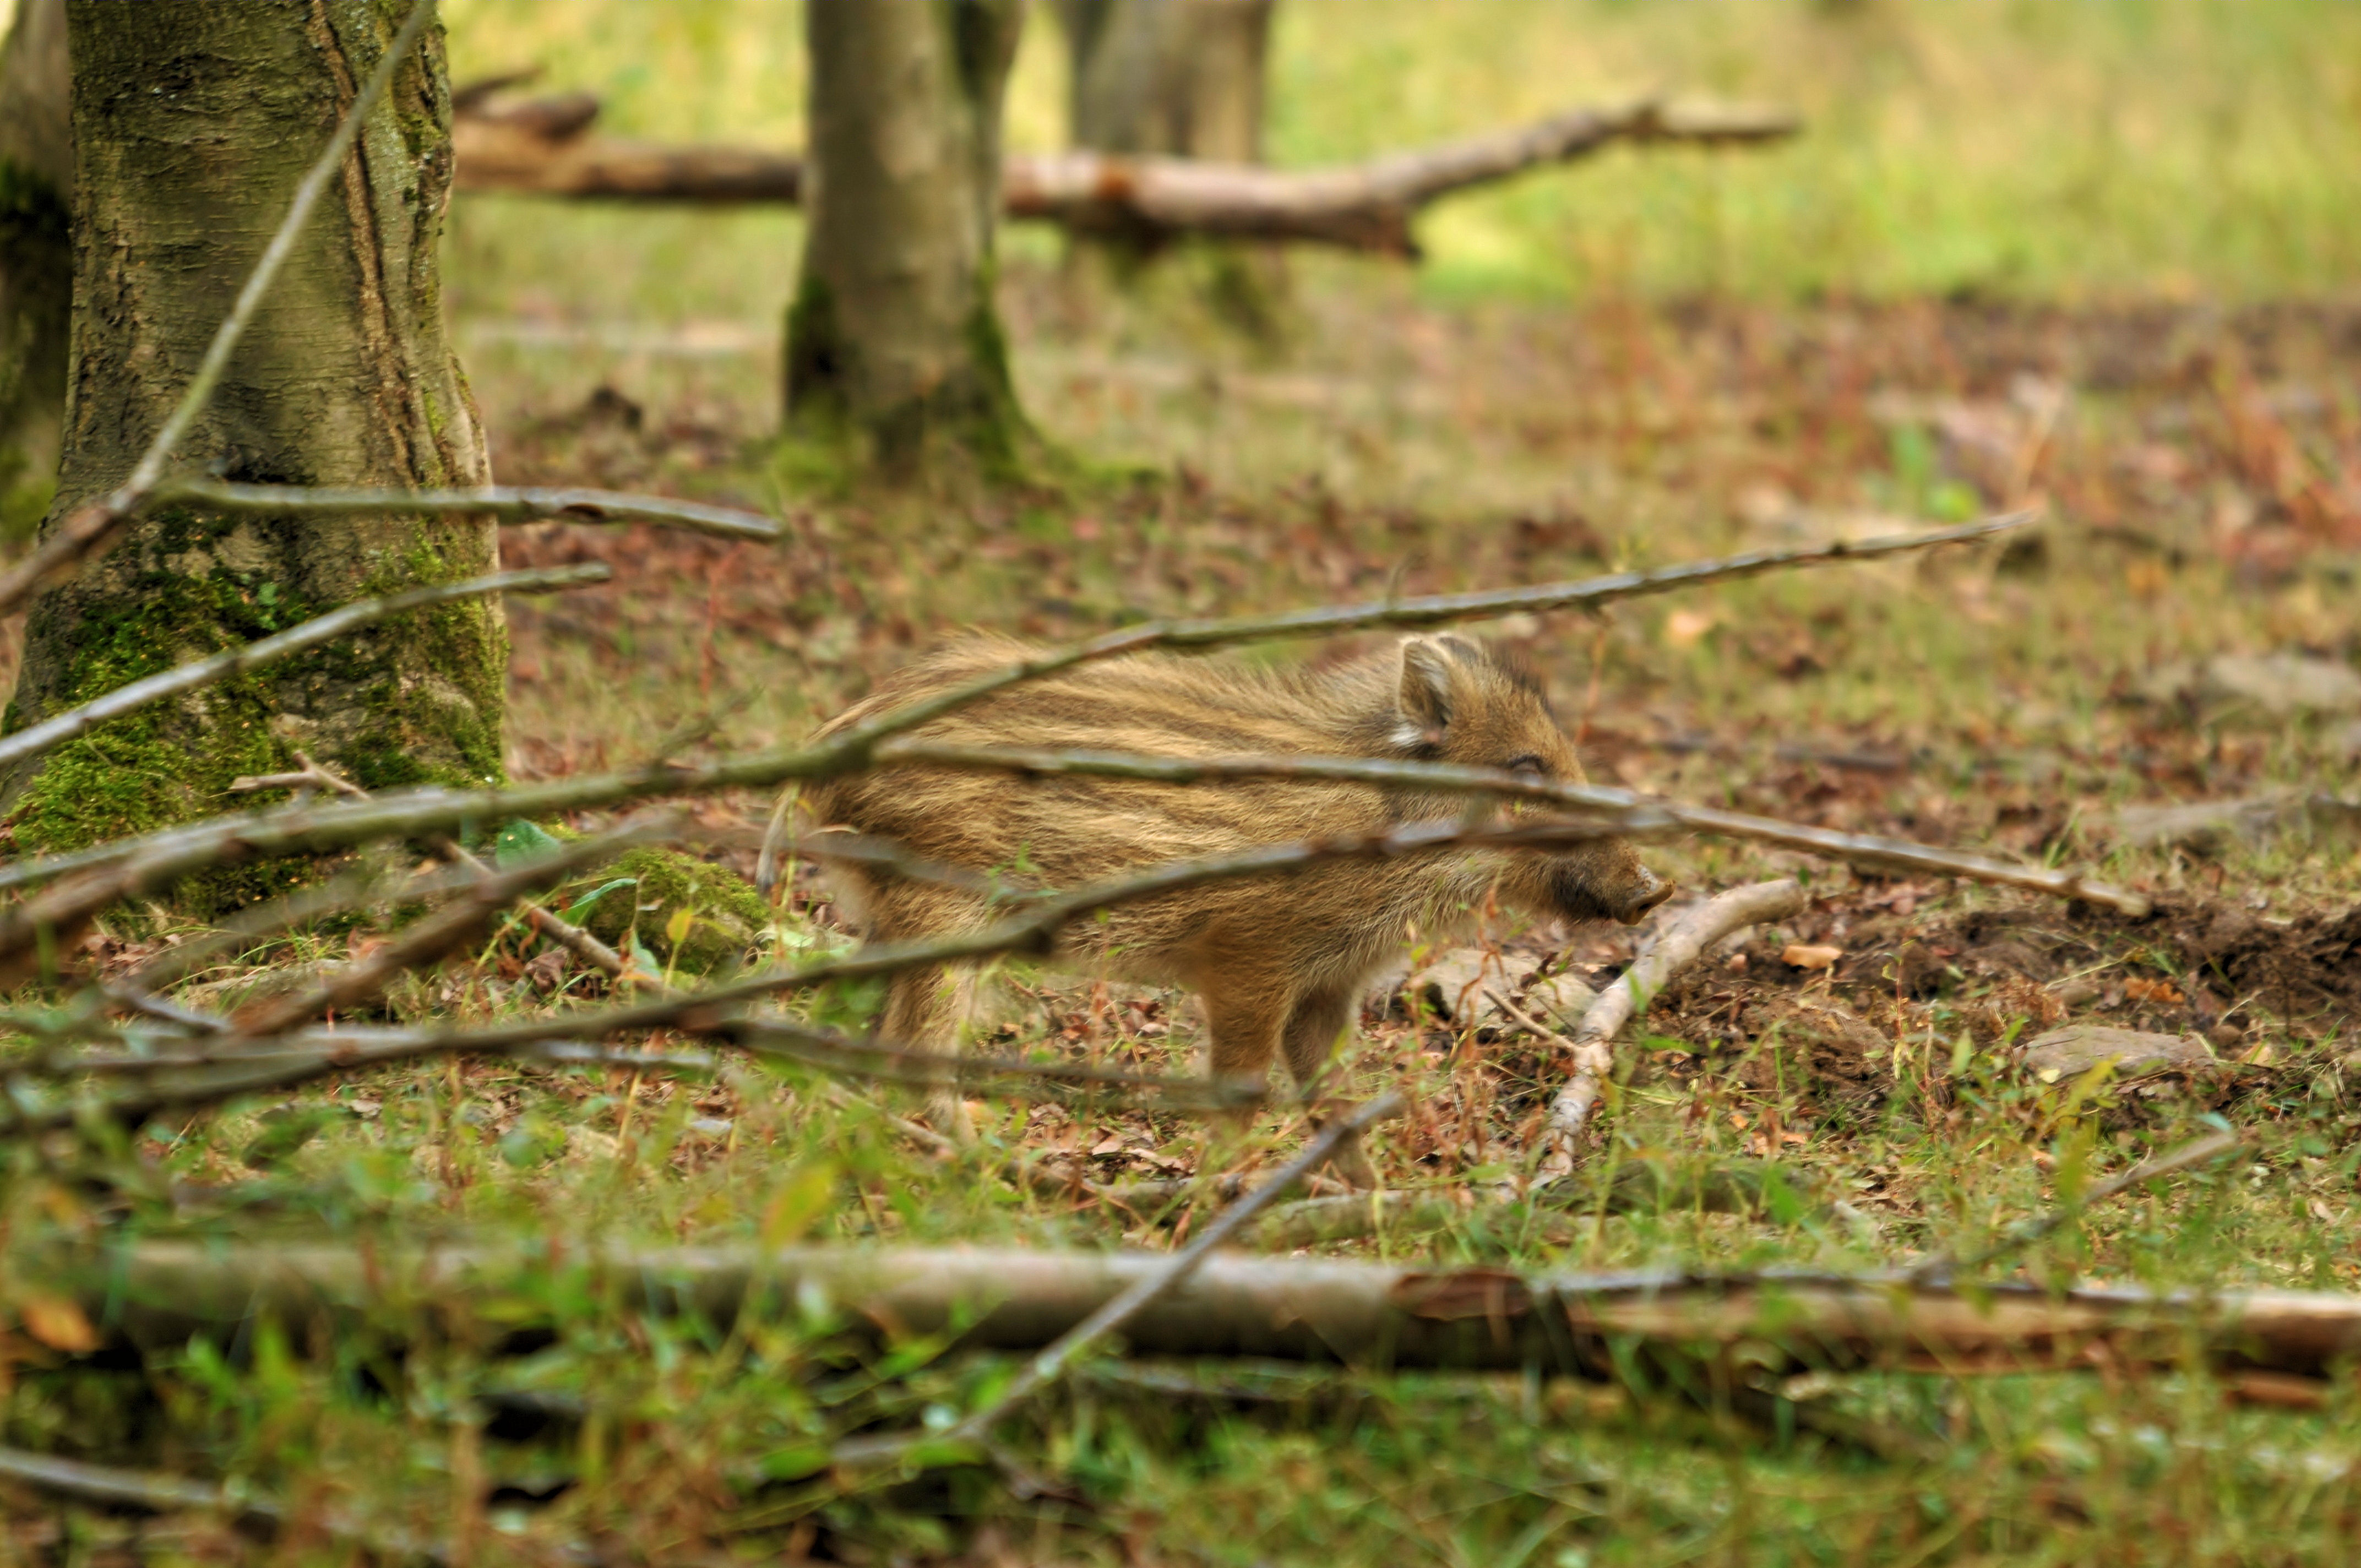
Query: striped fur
[1279, 962]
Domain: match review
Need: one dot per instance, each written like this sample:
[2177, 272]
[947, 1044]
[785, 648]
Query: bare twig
[510, 503]
[323, 829]
[1525, 1020]
[1940, 1265]
[64, 727]
[1677, 947]
[183, 1080]
[154, 1492]
[1046, 1368]
[572, 938]
[92, 527]
[1864, 849]
[429, 941]
[369, 887]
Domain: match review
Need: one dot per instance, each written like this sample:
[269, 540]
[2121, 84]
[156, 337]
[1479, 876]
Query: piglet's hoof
[1350, 1167]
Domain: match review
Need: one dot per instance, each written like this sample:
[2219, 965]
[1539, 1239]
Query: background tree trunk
[893, 341]
[35, 259]
[1179, 79]
[1183, 78]
[192, 124]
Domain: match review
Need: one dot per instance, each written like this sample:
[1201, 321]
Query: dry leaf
[1804, 955]
[57, 1321]
[1687, 628]
[2320, 1211]
[2160, 991]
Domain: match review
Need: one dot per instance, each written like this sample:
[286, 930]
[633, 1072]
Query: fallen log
[1362, 206]
[162, 1294]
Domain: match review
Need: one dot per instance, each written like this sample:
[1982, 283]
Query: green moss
[970, 425]
[356, 704]
[727, 915]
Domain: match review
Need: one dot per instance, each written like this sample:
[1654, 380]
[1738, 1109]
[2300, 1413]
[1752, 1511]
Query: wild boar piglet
[1279, 962]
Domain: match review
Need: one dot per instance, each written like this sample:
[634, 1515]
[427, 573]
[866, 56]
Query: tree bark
[893, 341]
[192, 124]
[1176, 79]
[35, 259]
[1179, 78]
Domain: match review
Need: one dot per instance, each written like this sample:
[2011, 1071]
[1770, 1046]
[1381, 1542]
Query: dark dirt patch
[1826, 1039]
[2307, 966]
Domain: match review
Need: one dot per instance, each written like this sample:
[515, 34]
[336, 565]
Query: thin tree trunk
[35, 259]
[893, 341]
[1181, 78]
[1177, 79]
[191, 125]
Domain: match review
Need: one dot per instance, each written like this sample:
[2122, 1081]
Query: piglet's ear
[1425, 697]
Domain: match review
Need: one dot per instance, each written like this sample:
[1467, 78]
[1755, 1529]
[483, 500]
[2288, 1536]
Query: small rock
[588, 1146]
[2075, 1049]
[2209, 825]
[2277, 684]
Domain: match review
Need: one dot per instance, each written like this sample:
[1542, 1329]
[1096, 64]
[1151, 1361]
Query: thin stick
[856, 741]
[366, 887]
[1676, 947]
[1941, 1265]
[1053, 1362]
[74, 722]
[572, 938]
[1518, 1016]
[93, 526]
[1858, 849]
[156, 1492]
[510, 503]
[429, 940]
[851, 749]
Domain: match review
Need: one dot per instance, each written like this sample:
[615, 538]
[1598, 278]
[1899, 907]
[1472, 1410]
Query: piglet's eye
[1530, 765]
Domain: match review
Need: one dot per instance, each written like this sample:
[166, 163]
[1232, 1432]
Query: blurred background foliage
[2020, 148]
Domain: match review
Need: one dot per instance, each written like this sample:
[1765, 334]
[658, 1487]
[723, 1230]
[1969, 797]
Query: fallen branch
[1110, 1319]
[1365, 207]
[92, 527]
[163, 1294]
[510, 503]
[139, 693]
[1677, 947]
[411, 812]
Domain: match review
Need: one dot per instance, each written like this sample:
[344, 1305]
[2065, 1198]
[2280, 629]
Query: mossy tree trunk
[895, 349]
[192, 124]
[35, 259]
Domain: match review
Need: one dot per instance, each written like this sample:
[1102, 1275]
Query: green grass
[1652, 358]
[2094, 149]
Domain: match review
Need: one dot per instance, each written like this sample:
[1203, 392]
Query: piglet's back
[1150, 705]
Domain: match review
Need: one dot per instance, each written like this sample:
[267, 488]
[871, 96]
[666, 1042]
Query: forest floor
[2181, 630]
